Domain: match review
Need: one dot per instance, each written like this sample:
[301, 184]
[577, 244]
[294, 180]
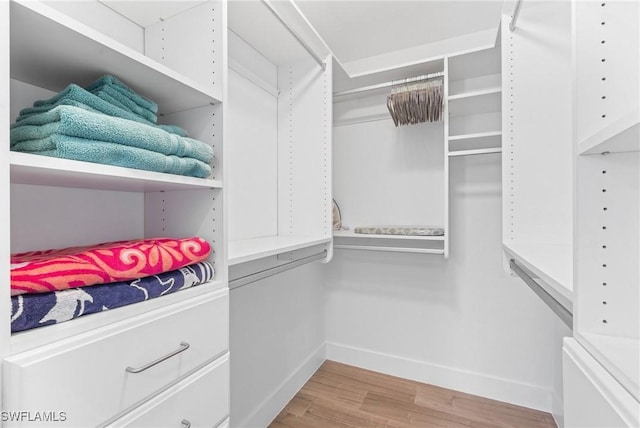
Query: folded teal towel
[77, 122]
[118, 155]
[112, 95]
[74, 94]
[173, 129]
[113, 82]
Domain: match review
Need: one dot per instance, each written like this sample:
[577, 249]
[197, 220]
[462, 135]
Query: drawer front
[86, 376]
[200, 400]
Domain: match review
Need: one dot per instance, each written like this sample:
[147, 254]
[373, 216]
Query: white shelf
[551, 263]
[247, 250]
[619, 355]
[622, 135]
[476, 93]
[473, 152]
[349, 240]
[476, 102]
[48, 171]
[493, 135]
[352, 234]
[71, 52]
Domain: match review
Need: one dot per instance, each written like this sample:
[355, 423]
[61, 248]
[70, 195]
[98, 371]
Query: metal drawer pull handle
[183, 347]
[185, 423]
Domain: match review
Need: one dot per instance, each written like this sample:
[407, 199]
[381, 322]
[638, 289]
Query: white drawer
[200, 400]
[86, 376]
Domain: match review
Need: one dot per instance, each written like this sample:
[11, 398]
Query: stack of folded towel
[54, 286]
[111, 124]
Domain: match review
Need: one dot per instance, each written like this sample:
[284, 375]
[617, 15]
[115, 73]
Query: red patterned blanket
[59, 269]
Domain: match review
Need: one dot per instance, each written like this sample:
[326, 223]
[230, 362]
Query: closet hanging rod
[514, 18]
[295, 35]
[557, 307]
[389, 84]
[266, 273]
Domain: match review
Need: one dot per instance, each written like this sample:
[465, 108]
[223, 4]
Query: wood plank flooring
[342, 396]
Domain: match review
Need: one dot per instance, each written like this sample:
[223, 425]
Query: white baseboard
[521, 394]
[275, 402]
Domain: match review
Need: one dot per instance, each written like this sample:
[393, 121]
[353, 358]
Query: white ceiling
[358, 29]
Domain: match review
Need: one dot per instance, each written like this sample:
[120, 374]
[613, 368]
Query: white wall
[461, 323]
[276, 341]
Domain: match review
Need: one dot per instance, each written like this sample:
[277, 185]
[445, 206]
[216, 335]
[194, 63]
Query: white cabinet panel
[592, 397]
[201, 400]
[61, 376]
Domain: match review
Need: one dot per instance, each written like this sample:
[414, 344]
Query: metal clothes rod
[295, 35]
[514, 18]
[547, 298]
[389, 249]
[389, 84]
[257, 276]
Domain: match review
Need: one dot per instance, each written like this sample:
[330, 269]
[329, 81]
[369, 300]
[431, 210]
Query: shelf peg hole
[604, 284]
[604, 321]
[604, 302]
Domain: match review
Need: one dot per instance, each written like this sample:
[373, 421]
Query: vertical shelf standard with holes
[606, 46]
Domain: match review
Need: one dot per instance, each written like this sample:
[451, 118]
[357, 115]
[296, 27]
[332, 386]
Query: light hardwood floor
[342, 396]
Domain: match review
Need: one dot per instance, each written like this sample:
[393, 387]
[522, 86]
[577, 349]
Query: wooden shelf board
[246, 250]
[71, 52]
[552, 263]
[48, 171]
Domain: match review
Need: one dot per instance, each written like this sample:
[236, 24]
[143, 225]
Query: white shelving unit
[56, 203]
[607, 146]
[279, 113]
[474, 103]
[401, 177]
[537, 153]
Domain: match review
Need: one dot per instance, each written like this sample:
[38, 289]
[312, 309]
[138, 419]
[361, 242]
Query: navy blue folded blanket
[36, 310]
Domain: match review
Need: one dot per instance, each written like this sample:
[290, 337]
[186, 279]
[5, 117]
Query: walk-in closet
[313, 213]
